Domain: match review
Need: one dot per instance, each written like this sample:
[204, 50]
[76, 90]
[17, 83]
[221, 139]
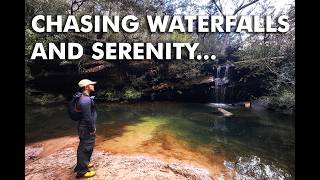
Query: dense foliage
[268, 58]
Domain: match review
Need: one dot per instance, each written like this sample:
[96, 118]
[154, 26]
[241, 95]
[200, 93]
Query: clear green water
[250, 134]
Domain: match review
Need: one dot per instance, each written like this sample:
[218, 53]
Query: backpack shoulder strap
[77, 108]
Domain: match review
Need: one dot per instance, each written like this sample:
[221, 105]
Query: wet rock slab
[60, 164]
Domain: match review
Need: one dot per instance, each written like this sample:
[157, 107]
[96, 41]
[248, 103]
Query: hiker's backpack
[73, 109]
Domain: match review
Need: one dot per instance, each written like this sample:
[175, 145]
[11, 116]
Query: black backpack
[73, 109]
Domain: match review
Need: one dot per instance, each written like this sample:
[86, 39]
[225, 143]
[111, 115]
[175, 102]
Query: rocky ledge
[60, 164]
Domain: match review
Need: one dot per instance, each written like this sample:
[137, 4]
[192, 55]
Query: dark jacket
[89, 113]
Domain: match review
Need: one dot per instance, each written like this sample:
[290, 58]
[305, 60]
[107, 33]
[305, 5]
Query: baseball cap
[85, 82]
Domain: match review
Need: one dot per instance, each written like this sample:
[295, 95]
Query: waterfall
[221, 82]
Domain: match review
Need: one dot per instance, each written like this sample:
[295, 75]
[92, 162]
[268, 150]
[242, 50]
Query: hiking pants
[85, 150]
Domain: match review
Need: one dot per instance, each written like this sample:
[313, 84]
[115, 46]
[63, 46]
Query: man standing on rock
[86, 129]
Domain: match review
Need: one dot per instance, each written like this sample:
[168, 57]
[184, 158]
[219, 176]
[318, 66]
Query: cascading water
[221, 82]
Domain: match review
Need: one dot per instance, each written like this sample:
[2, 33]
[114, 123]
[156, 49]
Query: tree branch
[244, 6]
[219, 8]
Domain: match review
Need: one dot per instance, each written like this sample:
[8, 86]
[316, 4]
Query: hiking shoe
[87, 174]
[90, 165]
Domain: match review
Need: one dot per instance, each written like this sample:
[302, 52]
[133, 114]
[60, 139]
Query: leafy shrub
[285, 100]
[132, 94]
[181, 37]
[45, 99]
[108, 95]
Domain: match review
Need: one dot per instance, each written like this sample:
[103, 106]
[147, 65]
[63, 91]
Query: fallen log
[225, 112]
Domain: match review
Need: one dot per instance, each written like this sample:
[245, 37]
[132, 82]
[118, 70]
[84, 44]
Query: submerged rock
[251, 168]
